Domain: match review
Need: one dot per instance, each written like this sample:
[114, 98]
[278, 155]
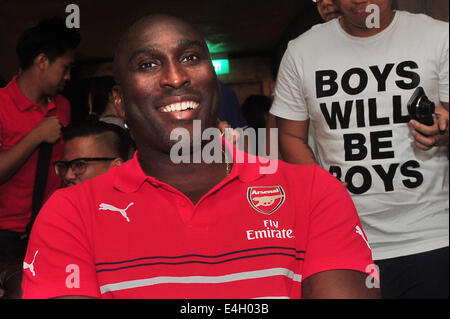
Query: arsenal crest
[266, 199]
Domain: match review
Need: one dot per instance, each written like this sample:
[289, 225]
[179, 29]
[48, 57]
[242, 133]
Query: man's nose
[174, 76]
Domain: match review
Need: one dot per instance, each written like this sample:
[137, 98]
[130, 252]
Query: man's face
[57, 73]
[354, 11]
[327, 9]
[87, 147]
[166, 81]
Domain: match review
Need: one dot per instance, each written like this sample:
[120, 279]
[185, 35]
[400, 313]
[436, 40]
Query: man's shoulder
[303, 180]
[315, 36]
[421, 17]
[6, 103]
[420, 21]
[5, 96]
[295, 172]
[289, 168]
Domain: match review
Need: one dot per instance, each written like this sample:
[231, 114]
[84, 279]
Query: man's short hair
[51, 37]
[94, 128]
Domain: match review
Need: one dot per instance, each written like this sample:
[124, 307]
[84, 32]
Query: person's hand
[48, 130]
[426, 137]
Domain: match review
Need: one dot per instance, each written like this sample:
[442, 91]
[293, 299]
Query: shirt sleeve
[289, 102]
[336, 239]
[59, 261]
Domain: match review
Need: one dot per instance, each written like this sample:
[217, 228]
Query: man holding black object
[153, 228]
[352, 78]
[423, 113]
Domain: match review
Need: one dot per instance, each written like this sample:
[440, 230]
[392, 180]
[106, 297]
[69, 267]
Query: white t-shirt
[355, 91]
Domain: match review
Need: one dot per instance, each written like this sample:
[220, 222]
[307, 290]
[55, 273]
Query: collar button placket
[185, 209]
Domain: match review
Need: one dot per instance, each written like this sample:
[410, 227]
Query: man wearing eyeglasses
[91, 149]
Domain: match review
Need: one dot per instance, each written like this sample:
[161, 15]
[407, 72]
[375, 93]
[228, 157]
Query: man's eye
[62, 167]
[190, 58]
[146, 65]
[79, 165]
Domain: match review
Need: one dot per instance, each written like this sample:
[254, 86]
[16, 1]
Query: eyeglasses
[78, 165]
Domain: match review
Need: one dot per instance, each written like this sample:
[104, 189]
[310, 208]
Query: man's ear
[118, 102]
[117, 162]
[41, 61]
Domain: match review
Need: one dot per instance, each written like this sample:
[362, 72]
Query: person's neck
[109, 110]
[27, 83]
[192, 179]
[363, 31]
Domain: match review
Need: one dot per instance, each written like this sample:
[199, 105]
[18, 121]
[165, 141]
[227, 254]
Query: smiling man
[155, 229]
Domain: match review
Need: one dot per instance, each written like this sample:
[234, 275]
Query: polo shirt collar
[130, 176]
[245, 166]
[20, 100]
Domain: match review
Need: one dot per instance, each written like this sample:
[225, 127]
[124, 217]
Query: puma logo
[123, 212]
[359, 231]
[30, 266]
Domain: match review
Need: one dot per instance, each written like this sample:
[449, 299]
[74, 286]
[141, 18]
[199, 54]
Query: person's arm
[271, 123]
[11, 160]
[338, 284]
[293, 141]
[426, 137]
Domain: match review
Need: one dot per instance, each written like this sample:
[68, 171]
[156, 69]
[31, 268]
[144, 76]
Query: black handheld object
[420, 108]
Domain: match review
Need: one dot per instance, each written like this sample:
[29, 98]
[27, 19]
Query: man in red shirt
[32, 112]
[152, 228]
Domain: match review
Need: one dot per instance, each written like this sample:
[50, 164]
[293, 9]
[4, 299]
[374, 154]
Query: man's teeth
[181, 106]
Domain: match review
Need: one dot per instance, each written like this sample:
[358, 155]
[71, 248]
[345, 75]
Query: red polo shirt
[254, 235]
[18, 116]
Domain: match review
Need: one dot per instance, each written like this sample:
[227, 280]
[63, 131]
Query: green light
[216, 47]
[221, 66]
